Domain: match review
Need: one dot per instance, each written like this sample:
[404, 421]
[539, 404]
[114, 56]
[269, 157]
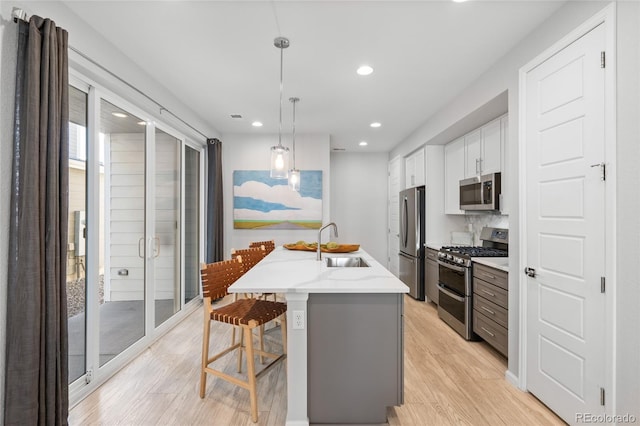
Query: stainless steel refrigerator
[412, 227]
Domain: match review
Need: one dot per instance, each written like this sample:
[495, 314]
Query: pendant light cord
[281, 90]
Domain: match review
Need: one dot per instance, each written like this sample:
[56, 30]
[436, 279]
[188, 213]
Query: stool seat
[246, 311]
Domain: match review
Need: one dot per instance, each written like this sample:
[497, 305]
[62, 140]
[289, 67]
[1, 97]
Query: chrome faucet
[335, 234]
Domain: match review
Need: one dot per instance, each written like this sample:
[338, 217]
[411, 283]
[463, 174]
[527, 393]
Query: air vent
[236, 116]
[338, 149]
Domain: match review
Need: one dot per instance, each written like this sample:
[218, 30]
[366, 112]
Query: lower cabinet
[431, 275]
[355, 357]
[491, 306]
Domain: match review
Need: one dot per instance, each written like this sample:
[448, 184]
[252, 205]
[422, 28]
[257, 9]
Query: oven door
[455, 278]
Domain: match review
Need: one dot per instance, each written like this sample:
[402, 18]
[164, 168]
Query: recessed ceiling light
[256, 124]
[363, 143]
[142, 123]
[119, 114]
[459, 1]
[364, 70]
[375, 124]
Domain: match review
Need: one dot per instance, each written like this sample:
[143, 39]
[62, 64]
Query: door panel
[394, 215]
[565, 227]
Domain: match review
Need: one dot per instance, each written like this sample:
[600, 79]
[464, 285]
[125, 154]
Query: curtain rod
[19, 14]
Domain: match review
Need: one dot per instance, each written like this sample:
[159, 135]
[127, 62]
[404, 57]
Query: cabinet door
[454, 167]
[419, 168]
[409, 172]
[414, 169]
[473, 153]
[491, 151]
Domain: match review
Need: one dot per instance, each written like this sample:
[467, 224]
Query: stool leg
[240, 349]
[261, 337]
[205, 356]
[251, 373]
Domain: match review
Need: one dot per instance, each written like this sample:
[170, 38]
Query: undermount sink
[346, 262]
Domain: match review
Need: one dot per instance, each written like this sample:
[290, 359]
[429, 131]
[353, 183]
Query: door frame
[606, 17]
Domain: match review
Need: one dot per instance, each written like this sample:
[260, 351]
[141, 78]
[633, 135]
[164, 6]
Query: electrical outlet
[298, 320]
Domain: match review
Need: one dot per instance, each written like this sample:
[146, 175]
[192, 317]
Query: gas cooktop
[475, 251]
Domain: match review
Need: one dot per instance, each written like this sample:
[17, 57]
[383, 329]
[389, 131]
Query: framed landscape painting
[260, 202]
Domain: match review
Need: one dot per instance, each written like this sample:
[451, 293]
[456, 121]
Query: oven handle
[454, 267]
[450, 294]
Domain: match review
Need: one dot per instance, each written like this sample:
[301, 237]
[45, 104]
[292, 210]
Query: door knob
[530, 272]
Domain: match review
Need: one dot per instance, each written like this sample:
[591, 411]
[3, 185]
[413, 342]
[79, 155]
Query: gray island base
[355, 362]
[344, 350]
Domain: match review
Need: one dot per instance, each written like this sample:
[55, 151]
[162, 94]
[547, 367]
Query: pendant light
[294, 174]
[279, 153]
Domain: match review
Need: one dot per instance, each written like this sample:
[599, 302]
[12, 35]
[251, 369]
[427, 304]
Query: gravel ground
[76, 295]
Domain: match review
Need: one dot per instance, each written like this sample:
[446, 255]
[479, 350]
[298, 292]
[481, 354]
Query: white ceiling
[219, 57]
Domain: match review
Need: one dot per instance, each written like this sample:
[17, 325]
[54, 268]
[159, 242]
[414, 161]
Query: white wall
[359, 200]
[251, 152]
[627, 285]
[504, 76]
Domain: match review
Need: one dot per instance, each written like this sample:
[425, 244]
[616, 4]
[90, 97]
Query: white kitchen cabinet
[414, 168]
[483, 151]
[454, 172]
[472, 153]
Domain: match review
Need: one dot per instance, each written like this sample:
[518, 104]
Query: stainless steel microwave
[480, 192]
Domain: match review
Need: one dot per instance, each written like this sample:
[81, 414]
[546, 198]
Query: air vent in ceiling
[236, 116]
[338, 149]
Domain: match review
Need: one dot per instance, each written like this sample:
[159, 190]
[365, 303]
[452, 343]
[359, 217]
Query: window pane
[76, 249]
[122, 237]
[191, 223]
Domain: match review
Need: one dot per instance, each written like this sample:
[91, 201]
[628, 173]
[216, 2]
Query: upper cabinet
[454, 172]
[483, 150]
[479, 152]
[414, 168]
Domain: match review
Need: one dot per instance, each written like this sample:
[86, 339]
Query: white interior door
[395, 171]
[565, 227]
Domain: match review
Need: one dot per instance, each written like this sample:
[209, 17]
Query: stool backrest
[250, 256]
[218, 276]
[268, 245]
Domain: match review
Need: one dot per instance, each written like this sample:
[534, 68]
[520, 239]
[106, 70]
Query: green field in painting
[268, 224]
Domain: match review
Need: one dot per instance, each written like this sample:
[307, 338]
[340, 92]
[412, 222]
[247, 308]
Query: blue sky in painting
[310, 181]
[258, 197]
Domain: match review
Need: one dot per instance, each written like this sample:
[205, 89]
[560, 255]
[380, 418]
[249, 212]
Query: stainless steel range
[456, 278]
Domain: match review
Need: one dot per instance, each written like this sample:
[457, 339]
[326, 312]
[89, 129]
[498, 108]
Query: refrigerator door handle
[405, 220]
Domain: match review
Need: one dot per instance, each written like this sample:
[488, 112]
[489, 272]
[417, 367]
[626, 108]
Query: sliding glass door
[134, 225]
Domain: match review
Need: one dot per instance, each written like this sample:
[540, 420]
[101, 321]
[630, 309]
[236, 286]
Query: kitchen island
[345, 365]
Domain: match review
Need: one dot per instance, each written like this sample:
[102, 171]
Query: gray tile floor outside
[121, 325]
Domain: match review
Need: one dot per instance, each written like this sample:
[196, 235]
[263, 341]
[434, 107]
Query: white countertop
[294, 271]
[433, 245]
[501, 263]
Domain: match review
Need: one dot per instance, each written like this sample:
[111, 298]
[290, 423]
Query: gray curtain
[36, 390]
[215, 235]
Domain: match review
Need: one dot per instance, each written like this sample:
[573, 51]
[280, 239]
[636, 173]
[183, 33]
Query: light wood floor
[448, 381]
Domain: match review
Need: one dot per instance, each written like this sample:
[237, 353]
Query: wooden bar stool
[248, 314]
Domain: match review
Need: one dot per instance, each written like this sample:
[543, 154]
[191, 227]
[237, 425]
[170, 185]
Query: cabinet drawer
[432, 254]
[491, 310]
[491, 292]
[492, 275]
[491, 332]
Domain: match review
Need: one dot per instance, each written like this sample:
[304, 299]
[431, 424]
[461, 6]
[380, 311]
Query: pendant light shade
[279, 153]
[294, 174]
[279, 162]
